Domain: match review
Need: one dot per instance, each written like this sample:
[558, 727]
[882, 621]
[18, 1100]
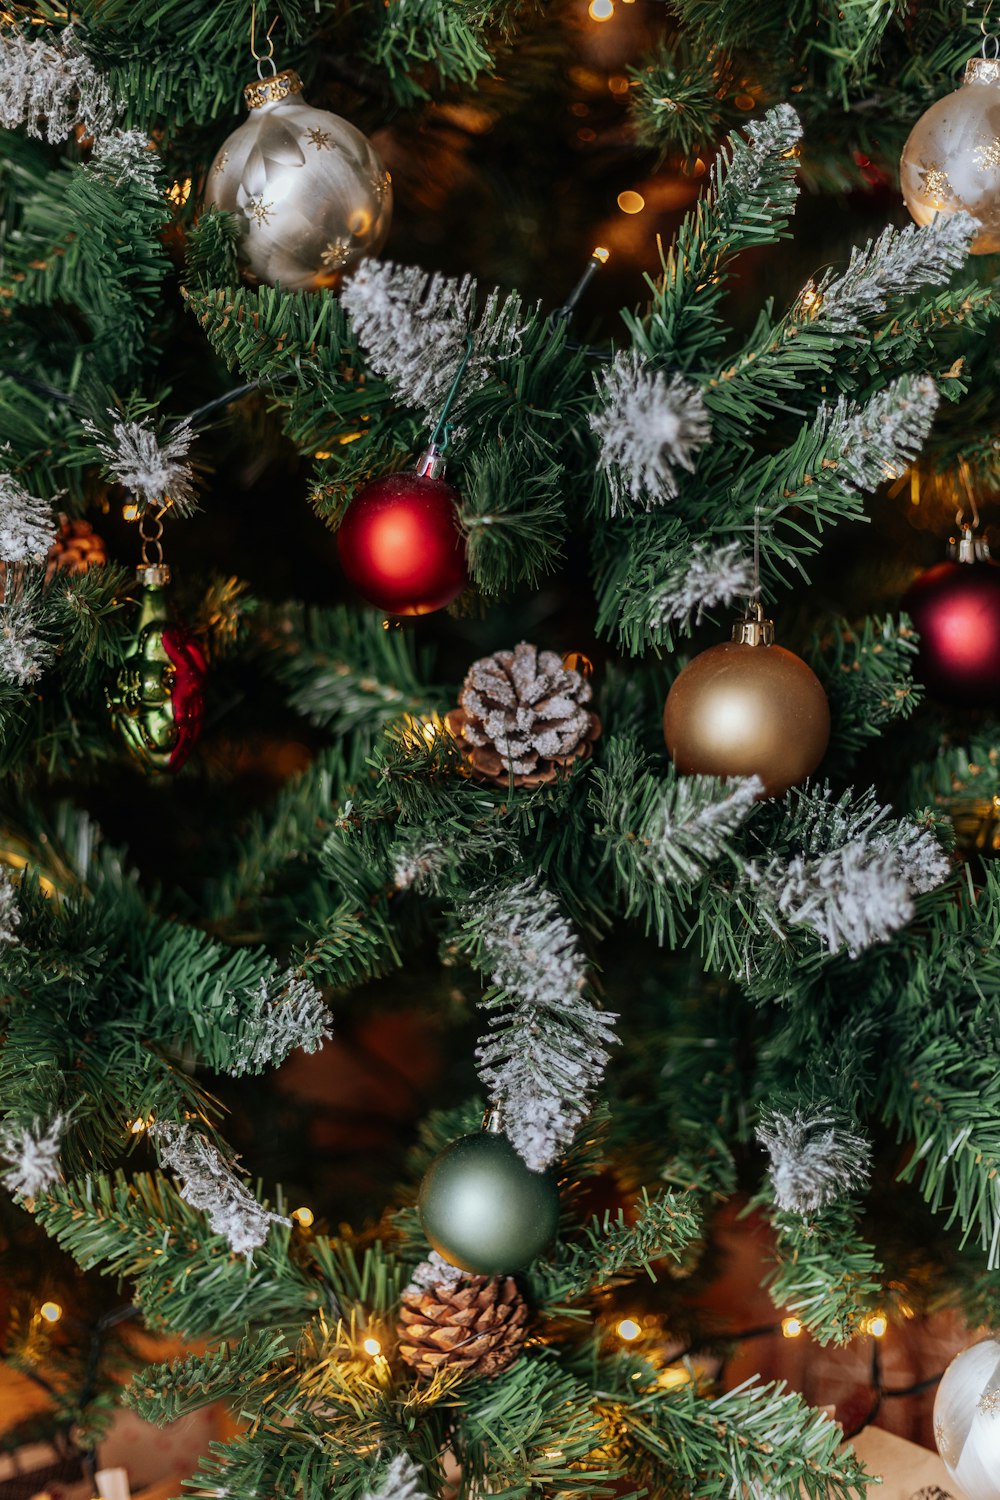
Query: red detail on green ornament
[188, 699]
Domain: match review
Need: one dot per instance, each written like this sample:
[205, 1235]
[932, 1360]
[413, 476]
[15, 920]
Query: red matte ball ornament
[399, 542]
[955, 607]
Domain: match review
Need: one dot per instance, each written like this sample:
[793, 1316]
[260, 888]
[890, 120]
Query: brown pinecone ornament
[76, 548]
[523, 717]
[475, 1324]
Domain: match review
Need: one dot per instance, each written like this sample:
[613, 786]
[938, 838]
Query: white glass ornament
[967, 1420]
[311, 194]
[952, 157]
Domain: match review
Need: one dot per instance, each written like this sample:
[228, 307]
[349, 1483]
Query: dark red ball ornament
[955, 606]
[400, 544]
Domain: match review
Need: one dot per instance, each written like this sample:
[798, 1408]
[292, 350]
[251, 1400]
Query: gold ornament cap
[153, 575]
[754, 629]
[272, 90]
[982, 70]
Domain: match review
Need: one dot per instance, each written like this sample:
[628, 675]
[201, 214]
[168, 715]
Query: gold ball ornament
[311, 194]
[748, 708]
[951, 160]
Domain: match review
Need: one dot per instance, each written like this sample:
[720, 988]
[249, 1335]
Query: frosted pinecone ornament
[523, 717]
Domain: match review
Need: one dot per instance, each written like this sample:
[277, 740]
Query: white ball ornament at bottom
[311, 194]
[967, 1420]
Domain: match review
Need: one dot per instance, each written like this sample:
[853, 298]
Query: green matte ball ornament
[483, 1209]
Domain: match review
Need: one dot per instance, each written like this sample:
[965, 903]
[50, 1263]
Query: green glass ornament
[483, 1209]
[157, 702]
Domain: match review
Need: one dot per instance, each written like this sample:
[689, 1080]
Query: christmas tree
[383, 471]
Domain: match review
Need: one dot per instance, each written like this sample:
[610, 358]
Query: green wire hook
[441, 436]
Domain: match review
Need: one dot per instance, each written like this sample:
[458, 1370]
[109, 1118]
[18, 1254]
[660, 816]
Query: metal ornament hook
[991, 40]
[965, 480]
[262, 57]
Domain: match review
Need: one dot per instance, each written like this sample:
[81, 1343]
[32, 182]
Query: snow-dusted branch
[705, 577]
[50, 85]
[286, 1011]
[900, 261]
[816, 1157]
[209, 1184]
[550, 1043]
[855, 879]
[875, 442]
[402, 1480]
[413, 327]
[27, 527]
[650, 426]
[155, 470]
[33, 1154]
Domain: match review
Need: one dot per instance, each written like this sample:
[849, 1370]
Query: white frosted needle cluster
[705, 577]
[549, 1044]
[33, 1154]
[650, 427]
[815, 1157]
[876, 441]
[154, 470]
[10, 915]
[27, 529]
[24, 653]
[690, 825]
[402, 1480]
[207, 1183]
[855, 880]
[126, 156]
[49, 84]
[285, 1012]
[413, 327]
[900, 261]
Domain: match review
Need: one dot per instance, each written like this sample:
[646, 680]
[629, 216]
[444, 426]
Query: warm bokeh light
[791, 1327]
[50, 1311]
[372, 1347]
[601, 253]
[601, 10]
[630, 202]
[304, 1217]
[628, 1329]
[140, 1124]
[130, 512]
[875, 1324]
[672, 1377]
[179, 192]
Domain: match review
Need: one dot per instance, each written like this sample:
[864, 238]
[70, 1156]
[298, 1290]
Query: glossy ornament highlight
[955, 607]
[310, 192]
[399, 542]
[951, 160]
[748, 708]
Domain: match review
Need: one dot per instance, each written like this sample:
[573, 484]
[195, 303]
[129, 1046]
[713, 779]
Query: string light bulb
[791, 1327]
[304, 1217]
[628, 1329]
[50, 1311]
[631, 202]
[601, 10]
[875, 1324]
[372, 1347]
